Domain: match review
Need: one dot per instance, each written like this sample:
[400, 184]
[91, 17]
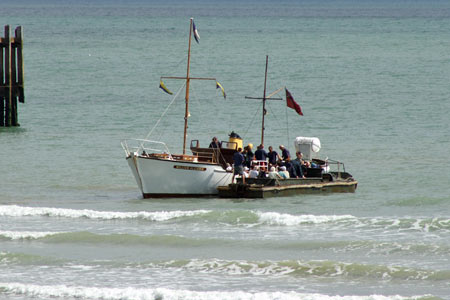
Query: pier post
[11, 76]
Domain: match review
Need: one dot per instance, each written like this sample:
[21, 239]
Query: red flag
[292, 104]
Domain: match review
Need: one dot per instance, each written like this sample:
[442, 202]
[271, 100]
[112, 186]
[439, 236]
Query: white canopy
[307, 145]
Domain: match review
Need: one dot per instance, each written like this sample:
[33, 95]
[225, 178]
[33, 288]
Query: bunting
[290, 102]
[164, 88]
[219, 86]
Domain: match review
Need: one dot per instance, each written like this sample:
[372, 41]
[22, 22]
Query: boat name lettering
[189, 168]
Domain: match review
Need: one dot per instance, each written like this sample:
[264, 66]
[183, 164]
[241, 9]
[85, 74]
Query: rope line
[251, 123]
[165, 111]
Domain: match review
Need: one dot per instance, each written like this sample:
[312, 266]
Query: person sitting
[229, 167]
[274, 174]
[297, 165]
[283, 172]
[215, 143]
[284, 152]
[262, 173]
[273, 156]
[253, 172]
[290, 168]
[303, 164]
[246, 171]
[261, 154]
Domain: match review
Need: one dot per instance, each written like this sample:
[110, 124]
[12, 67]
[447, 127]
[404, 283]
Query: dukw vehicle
[325, 175]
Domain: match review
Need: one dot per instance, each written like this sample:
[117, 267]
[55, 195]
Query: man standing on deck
[261, 154]
[238, 160]
[284, 152]
[273, 156]
[215, 143]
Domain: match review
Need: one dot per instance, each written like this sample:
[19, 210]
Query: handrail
[142, 146]
[206, 155]
[338, 163]
[260, 163]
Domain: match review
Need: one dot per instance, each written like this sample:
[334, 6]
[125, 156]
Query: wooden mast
[264, 101]
[188, 80]
[186, 112]
[264, 98]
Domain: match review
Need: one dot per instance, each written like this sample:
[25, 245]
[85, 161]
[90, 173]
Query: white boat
[159, 173]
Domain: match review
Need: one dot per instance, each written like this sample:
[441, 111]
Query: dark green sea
[372, 78]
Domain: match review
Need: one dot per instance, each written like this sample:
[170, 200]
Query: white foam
[274, 218]
[239, 267]
[18, 235]
[81, 292]
[20, 211]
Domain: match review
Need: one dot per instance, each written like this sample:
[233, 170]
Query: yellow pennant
[164, 88]
[219, 86]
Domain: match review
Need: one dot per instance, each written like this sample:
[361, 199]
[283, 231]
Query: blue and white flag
[194, 30]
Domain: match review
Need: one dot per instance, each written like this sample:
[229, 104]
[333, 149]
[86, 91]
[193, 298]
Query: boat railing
[207, 156]
[336, 167]
[212, 155]
[144, 147]
[260, 163]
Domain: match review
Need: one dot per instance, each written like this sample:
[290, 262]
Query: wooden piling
[11, 76]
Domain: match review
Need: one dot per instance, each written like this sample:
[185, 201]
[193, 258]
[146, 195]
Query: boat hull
[287, 187]
[160, 178]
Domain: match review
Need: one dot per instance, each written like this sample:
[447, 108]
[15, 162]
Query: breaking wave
[248, 218]
[274, 218]
[295, 268]
[323, 269]
[26, 235]
[20, 211]
[104, 293]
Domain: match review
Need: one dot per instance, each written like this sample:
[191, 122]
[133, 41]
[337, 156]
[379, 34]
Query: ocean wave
[372, 247]
[245, 218]
[389, 223]
[11, 258]
[26, 235]
[252, 218]
[129, 239]
[412, 223]
[113, 238]
[323, 269]
[105, 293]
[296, 268]
[274, 218]
[20, 211]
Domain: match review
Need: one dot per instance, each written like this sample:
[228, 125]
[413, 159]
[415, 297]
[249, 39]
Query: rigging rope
[251, 123]
[287, 125]
[164, 113]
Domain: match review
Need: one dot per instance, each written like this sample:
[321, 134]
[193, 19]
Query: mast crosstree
[264, 98]
[188, 78]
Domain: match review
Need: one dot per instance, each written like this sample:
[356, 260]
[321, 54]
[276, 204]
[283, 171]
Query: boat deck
[266, 187]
